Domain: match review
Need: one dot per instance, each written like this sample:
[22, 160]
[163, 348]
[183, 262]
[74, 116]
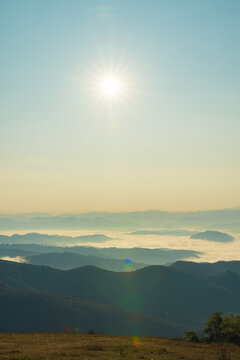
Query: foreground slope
[54, 346]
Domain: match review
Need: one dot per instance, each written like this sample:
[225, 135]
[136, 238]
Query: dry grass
[54, 346]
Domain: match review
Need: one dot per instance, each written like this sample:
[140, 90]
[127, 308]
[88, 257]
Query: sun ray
[110, 86]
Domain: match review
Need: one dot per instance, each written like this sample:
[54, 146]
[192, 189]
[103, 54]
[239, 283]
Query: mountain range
[69, 260]
[216, 236]
[155, 300]
[108, 258]
[57, 240]
[226, 220]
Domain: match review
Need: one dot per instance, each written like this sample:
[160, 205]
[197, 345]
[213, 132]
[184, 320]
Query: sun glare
[110, 86]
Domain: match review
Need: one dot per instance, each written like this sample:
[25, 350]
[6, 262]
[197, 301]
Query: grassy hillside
[53, 346]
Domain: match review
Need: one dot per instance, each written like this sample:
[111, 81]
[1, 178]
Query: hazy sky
[169, 140]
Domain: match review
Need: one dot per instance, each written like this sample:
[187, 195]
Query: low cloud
[17, 259]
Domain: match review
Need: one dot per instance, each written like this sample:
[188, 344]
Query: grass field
[53, 346]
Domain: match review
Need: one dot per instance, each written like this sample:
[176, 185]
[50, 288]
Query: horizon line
[120, 212]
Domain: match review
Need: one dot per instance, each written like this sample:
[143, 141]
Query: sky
[168, 140]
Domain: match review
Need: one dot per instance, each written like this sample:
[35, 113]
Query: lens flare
[136, 341]
[128, 265]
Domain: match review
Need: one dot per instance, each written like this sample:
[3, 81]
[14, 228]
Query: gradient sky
[171, 142]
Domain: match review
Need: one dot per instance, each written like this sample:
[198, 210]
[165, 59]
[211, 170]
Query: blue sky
[171, 142]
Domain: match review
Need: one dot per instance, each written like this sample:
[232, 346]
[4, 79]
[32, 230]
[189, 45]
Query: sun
[110, 86]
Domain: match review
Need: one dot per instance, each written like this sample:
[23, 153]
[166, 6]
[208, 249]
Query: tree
[231, 328]
[191, 336]
[214, 327]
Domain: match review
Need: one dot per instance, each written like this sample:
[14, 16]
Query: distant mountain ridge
[216, 236]
[158, 256]
[204, 268]
[47, 239]
[68, 260]
[226, 219]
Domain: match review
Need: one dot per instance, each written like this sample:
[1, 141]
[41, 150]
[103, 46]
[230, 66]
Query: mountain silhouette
[157, 292]
[68, 260]
[213, 236]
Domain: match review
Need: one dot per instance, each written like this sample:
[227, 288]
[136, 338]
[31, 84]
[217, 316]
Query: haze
[170, 142]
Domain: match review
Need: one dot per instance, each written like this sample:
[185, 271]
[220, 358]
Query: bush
[214, 327]
[231, 328]
[190, 336]
[223, 328]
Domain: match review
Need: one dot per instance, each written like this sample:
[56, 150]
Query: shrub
[190, 336]
[214, 327]
[231, 328]
[223, 328]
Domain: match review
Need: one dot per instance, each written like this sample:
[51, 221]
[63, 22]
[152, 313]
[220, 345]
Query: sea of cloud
[210, 251]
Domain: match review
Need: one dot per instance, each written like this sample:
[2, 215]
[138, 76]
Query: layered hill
[69, 260]
[216, 236]
[25, 309]
[217, 268]
[136, 255]
[34, 311]
[225, 220]
[46, 239]
[155, 292]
